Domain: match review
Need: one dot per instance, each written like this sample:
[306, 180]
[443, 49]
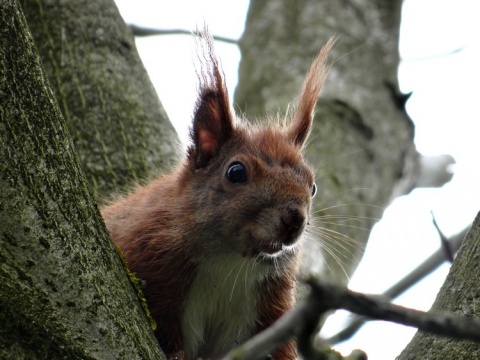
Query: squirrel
[216, 240]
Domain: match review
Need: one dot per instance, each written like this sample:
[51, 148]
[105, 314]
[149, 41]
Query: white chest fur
[220, 310]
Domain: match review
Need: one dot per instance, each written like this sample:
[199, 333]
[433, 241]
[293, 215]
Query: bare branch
[334, 297]
[143, 31]
[300, 322]
[423, 270]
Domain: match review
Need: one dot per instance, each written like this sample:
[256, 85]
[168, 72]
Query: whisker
[235, 281]
[334, 243]
[246, 277]
[340, 194]
[348, 204]
[337, 259]
[255, 261]
[229, 273]
[337, 235]
[345, 225]
[361, 219]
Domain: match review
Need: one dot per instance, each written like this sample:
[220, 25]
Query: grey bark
[459, 294]
[64, 292]
[119, 127]
[362, 140]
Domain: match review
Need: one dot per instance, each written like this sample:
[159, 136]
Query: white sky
[444, 107]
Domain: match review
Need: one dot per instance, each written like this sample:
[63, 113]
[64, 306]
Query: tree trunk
[362, 141]
[460, 294]
[64, 290]
[118, 125]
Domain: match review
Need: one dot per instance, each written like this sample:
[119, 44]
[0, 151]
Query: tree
[121, 133]
[58, 268]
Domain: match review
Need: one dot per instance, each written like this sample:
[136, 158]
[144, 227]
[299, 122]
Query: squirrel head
[248, 184]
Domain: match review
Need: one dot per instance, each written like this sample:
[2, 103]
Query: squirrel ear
[302, 120]
[213, 120]
[212, 125]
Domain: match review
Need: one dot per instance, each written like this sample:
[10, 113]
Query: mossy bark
[460, 293]
[64, 292]
[118, 125]
[362, 140]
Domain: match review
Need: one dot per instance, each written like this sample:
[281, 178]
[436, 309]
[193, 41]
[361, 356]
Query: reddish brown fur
[195, 216]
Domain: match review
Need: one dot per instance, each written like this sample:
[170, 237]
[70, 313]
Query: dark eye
[236, 173]
[314, 190]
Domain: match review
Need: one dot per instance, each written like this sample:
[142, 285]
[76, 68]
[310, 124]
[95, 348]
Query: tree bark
[459, 294]
[118, 125]
[362, 140]
[64, 290]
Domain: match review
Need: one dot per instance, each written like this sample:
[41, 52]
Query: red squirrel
[216, 240]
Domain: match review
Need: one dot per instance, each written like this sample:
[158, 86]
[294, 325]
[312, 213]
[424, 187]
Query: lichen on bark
[118, 125]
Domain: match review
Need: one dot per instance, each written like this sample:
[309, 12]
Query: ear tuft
[213, 122]
[312, 85]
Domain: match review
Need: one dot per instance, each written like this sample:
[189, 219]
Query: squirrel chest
[220, 308]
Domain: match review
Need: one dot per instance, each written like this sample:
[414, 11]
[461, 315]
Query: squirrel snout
[293, 221]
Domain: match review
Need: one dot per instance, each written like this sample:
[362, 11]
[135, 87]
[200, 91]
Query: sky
[440, 50]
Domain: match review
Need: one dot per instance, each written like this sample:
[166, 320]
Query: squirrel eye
[236, 173]
[314, 190]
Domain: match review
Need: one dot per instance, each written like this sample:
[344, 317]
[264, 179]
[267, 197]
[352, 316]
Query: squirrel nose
[293, 221]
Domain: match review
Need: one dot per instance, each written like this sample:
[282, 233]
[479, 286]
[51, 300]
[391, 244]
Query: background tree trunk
[118, 125]
[64, 290]
[460, 294]
[362, 140]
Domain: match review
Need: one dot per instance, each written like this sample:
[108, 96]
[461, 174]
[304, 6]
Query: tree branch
[300, 322]
[325, 297]
[64, 292]
[143, 31]
[424, 269]
[334, 297]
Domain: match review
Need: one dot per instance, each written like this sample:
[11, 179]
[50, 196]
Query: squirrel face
[254, 197]
[250, 185]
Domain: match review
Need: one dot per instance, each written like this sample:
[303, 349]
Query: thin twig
[447, 248]
[143, 31]
[423, 270]
[436, 56]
